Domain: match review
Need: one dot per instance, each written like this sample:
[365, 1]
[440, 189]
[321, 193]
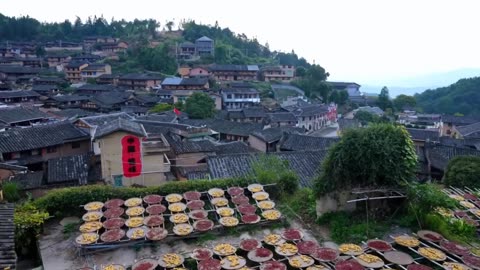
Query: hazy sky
[359, 40]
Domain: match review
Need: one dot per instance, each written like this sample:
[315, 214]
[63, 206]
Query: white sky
[368, 41]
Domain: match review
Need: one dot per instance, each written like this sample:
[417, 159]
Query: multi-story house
[73, 71]
[95, 70]
[108, 79]
[283, 73]
[204, 46]
[239, 98]
[315, 116]
[130, 156]
[12, 73]
[20, 116]
[234, 72]
[185, 84]
[139, 80]
[18, 96]
[34, 145]
[186, 50]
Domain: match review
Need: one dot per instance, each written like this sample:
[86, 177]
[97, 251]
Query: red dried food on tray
[307, 247]
[113, 223]
[418, 267]
[203, 225]
[472, 261]
[379, 245]
[209, 264]
[471, 197]
[145, 264]
[235, 191]
[250, 244]
[192, 195]
[154, 220]
[112, 235]
[114, 212]
[292, 234]
[113, 203]
[247, 209]
[263, 252]
[348, 265]
[201, 254]
[157, 234]
[460, 214]
[153, 199]
[273, 265]
[156, 209]
[454, 248]
[199, 214]
[195, 205]
[240, 200]
[249, 219]
[325, 254]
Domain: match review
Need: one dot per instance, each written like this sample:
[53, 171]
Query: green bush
[302, 203]
[424, 198]
[10, 191]
[67, 201]
[451, 228]
[28, 220]
[271, 169]
[463, 171]
[379, 155]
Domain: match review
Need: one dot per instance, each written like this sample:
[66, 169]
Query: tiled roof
[75, 64]
[470, 131]
[254, 112]
[97, 87]
[440, 155]
[72, 113]
[29, 180]
[120, 124]
[224, 126]
[306, 164]
[274, 134]
[18, 94]
[8, 257]
[147, 98]
[462, 143]
[12, 167]
[42, 88]
[20, 114]
[103, 119]
[9, 69]
[110, 98]
[204, 38]
[164, 117]
[240, 91]
[140, 76]
[232, 148]
[296, 142]
[342, 84]
[282, 117]
[134, 109]
[423, 134]
[345, 123]
[310, 110]
[183, 147]
[233, 68]
[459, 120]
[16, 140]
[68, 169]
[185, 81]
[69, 98]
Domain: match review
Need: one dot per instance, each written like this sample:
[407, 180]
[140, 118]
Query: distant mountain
[461, 97]
[418, 84]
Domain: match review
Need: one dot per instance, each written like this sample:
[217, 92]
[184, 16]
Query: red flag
[176, 111]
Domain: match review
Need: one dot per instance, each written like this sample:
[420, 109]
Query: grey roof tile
[69, 169]
[424, 134]
[19, 114]
[120, 124]
[8, 257]
[296, 142]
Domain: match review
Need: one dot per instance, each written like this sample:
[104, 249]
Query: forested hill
[461, 97]
[230, 48]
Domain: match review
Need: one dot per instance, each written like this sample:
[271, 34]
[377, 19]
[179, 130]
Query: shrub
[424, 198]
[10, 191]
[379, 155]
[302, 203]
[28, 220]
[463, 171]
[271, 169]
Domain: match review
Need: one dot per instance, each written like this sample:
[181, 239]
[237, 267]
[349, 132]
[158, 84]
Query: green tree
[379, 155]
[403, 101]
[300, 72]
[366, 118]
[339, 97]
[463, 171]
[162, 107]
[271, 169]
[200, 105]
[169, 25]
[383, 100]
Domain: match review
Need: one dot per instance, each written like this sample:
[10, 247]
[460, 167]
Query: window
[51, 149]
[131, 149]
[229, 96]
[75, 145]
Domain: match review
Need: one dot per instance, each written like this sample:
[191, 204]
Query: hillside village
[70, 116]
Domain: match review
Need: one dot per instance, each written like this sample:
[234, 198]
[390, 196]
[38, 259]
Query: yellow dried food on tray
[220, 202]
[444, 212]
[255, 188]
[271, 214]
[135, 211]
[91, 226]
[216, 192]
[466, 204]
[173, 198]
[171, 259]
[179, 218]
[407, 241]
[316, 267]
[92, 216]
[224, 249]
[182, 229]
[266, 205]
[368, 258]
[457, 197]
[288, 248]
[87, 238]
[133, 202]
[345, 248]
[273, 239]
[176, 207]
[229, 221]
[138, 233]
[455, 266]
[233, 260]
[432, 253]
[225, 212]
[134, 222]
[93, 206]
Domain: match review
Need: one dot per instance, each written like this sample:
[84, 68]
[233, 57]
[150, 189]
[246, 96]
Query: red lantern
[131, 156]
